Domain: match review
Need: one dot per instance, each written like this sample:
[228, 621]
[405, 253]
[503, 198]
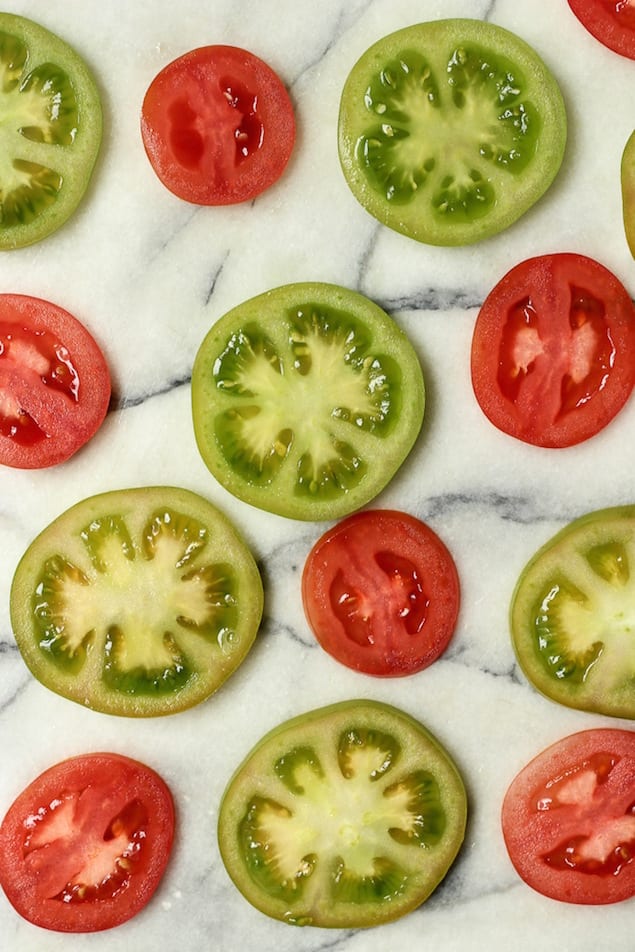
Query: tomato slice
[573, 614]
[612, 22]
[137, 602]
[568, 818]
[306, 400]
[84, 846]
[218, 126]
[553, 350]
[54, 383]
[450, 130]
[627, 171]
[381, 593]
[347, 817]
[50, 131]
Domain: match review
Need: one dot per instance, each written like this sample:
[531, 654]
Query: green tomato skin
[362, 797]
[628, 192]
[572, 614]
[455, 159]
[65, 167]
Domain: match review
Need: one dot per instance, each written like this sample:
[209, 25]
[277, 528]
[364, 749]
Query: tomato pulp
[54, 383]
[218, 126]
[85, 845]
[568, 818]
[381, 593]
[553, 350]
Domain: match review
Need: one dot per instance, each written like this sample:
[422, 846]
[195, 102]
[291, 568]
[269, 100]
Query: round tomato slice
[50, 131]
[553, 350]
[612, 22]
[450, 130]
[218, 126]
[344, 817]
[85, 845]
[54, 383]
[568, 818]
[381, 593]
[306, 400]
[572, 614]
[137, 602]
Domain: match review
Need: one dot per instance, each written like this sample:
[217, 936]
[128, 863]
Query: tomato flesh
[344, 817]
[569, 818]
[381, 593]
[85, 845]
[218, 126]
[553, 350]
[612, 22]
[54, 383]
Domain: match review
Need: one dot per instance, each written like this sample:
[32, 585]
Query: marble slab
[149, 275]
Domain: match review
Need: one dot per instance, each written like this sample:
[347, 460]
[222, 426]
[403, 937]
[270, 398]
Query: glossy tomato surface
[568, 818]
[50, 129]
[612, 22]
[344, 817]
[306, 400]
[450, 130]
[138, 602]
[218, 126]
[572, 614]
[553, 350]
[54, 383]
[381, 593]
[85, 845]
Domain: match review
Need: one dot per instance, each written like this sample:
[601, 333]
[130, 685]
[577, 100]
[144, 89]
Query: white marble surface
[148, 275]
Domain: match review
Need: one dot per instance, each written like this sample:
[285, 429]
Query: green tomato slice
[137, 602]
[346, 817]
[628, 191]
[450, 130]
[50, 131]
[573, 614]
[306, 400]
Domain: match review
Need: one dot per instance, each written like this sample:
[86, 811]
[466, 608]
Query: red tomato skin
[531, 834]
[374, 639]
[121, 779]
[534, 408]
[190, 133]
[64, 423]
[610, 22]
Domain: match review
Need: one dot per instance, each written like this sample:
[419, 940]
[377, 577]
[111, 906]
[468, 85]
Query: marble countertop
[148, 275]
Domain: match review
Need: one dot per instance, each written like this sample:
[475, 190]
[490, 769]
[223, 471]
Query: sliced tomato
[54, 383]
[85, 845]
[612, 22]
[553, 350]
[568, 818]
[381, 593]
[218, 126]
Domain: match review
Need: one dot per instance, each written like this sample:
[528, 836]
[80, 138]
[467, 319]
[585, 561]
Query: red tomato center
[40, 358]
[623, 11]
[77, 852]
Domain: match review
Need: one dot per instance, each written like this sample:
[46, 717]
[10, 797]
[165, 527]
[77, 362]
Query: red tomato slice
[54, 383]
[553, 350]
[381, 593]
[568, 818]
[84, 846]
[218, 126]
[612, 22]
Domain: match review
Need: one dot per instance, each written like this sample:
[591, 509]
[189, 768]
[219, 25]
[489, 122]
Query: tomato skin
[568, 818]
[60, 413]
[381, 593]
[610, 22]
[553, 350]
[218, 126]
[98, 788]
